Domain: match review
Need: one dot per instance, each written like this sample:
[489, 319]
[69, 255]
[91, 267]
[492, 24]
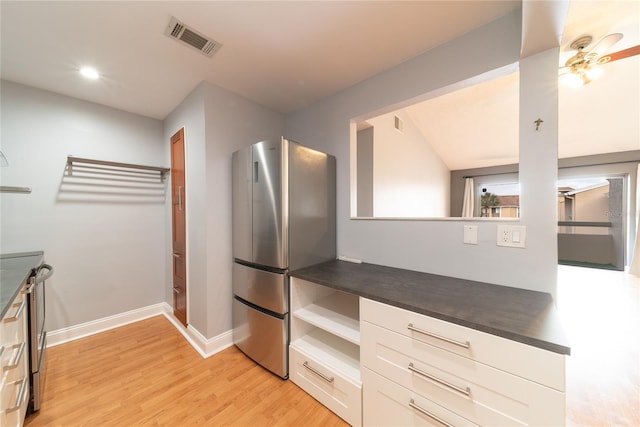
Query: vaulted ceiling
[478, 126]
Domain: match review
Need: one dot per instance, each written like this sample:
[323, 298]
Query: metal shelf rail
[71, 160]
[9, 189]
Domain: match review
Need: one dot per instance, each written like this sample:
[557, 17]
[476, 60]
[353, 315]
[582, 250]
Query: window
[498, 199]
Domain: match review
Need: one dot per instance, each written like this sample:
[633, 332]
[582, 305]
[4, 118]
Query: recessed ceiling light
[90, 73]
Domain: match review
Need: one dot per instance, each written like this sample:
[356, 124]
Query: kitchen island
[387, 346]
[529, 317]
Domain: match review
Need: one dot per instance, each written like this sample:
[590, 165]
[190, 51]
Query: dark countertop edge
[21, 254]
[514, 336]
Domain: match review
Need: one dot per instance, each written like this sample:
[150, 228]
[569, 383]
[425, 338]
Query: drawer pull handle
[464, 391]
[429, 414]
[318, 373]
[16, 359]
[462, 344]
[18, 313]
[20, 397]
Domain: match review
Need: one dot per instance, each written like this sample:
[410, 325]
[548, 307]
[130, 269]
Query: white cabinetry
[325, 347]
[419, 370]
[14, 365]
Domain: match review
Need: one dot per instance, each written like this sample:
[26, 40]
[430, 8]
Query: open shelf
[334, 352]
[337, 313]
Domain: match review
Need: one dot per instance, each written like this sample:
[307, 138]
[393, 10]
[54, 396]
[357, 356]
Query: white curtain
[635, 263]
[467, 202]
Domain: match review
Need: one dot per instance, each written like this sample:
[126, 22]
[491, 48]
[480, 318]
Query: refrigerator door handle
[256, 168]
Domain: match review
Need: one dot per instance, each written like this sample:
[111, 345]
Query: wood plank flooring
[146, 374]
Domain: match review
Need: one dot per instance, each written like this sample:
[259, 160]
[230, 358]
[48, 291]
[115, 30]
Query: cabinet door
[14, 364]
[536, 364]
[330, 387]
[477, 392]
[385, 403]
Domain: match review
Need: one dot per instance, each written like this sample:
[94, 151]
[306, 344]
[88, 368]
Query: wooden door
[178, 201]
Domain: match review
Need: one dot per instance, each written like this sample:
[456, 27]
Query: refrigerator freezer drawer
[262, 337]
[262, 288]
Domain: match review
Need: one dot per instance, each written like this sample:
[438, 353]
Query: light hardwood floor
[147, 374]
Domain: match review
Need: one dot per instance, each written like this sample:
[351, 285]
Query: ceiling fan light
[593, 72]
[572, 79]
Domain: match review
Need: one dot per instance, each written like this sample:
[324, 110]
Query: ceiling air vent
[195, 39]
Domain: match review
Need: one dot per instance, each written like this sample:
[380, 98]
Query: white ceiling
[284, 55]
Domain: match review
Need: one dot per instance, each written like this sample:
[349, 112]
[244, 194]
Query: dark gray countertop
[15, 269]
[521, 315]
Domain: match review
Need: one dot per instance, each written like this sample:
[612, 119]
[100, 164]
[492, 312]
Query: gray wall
[437, 246]
[217, 122]
[365, 172]
[106, 242]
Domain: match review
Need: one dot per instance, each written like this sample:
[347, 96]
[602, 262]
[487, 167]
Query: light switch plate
[471, 234]
[513, 236]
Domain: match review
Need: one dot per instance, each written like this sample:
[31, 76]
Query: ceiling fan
[584, 66]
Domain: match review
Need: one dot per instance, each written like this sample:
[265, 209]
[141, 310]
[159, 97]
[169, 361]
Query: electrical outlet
[512, 236]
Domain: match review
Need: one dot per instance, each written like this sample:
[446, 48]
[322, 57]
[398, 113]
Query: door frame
[182, 128]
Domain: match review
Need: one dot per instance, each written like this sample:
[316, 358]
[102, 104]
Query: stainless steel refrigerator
[284, 207]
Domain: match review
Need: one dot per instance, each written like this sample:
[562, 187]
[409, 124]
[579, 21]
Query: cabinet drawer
[13, 323]
[478, 392]
[14, 397]
[386, 403]
[330, 388]
[13, 362]
[541, 366]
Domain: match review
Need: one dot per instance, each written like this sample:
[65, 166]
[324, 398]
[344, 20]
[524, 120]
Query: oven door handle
[45, 276]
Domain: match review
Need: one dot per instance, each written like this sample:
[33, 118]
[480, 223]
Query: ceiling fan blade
[621, 54]
[603, 45]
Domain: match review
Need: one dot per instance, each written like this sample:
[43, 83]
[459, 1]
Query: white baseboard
[82, 330]
[205, 347]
